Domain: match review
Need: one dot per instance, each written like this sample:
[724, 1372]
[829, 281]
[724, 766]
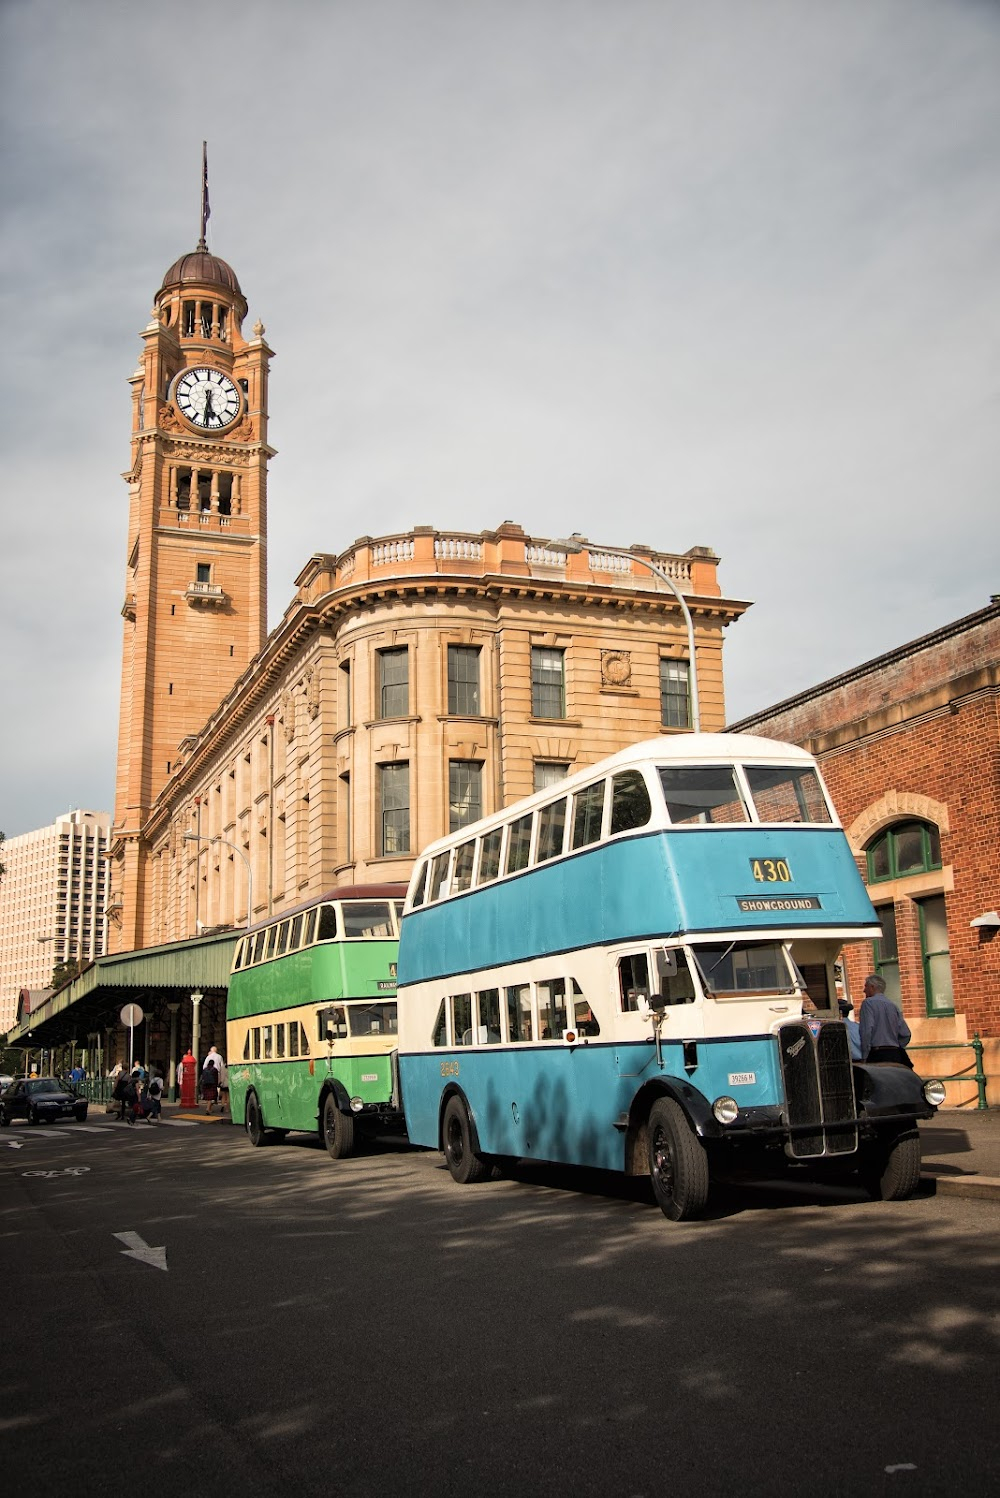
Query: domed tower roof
[207, 270]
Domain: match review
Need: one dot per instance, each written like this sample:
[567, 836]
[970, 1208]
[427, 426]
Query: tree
[64, 971]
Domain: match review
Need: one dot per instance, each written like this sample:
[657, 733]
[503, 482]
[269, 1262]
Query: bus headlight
[726, 1110]
[934, 1092]
[356, 1105]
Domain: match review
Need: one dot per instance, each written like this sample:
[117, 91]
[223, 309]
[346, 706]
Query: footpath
[961, 1152]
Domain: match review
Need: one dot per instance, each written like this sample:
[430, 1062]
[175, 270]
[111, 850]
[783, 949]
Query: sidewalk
[961, 1152]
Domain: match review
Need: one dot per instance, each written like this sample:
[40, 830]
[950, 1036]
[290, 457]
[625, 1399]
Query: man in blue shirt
[884, 1032]
[852, 1027]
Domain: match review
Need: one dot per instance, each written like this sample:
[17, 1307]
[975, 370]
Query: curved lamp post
[199, 837]
[575, 548]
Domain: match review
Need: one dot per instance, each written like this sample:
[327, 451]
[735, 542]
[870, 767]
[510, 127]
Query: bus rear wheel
[338, 1129]
[465, 1165]
[678, 1164]
[256, 1132]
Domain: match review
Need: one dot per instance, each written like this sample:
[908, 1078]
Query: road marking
[139, 1249]
[49, 1175]
[14, 1144]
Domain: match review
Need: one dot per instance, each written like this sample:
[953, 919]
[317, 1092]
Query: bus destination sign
[756, 904]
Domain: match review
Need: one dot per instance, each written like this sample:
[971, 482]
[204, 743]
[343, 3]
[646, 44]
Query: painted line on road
[139, 1249]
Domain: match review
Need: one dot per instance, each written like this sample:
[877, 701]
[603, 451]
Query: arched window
[906, 848]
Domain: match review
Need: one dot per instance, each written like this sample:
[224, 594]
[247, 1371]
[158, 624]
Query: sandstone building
[414, 683]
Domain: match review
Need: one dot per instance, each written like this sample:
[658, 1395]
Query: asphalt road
[369, 1327]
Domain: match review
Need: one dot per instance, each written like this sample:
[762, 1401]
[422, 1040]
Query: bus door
[653, 977]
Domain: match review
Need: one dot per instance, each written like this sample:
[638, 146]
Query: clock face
[207, 397]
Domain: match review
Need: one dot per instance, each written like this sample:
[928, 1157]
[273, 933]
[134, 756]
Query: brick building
[909, 744]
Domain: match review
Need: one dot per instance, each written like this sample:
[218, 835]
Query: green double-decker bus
[311, 1030]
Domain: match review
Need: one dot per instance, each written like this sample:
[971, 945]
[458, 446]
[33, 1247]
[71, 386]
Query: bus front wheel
[889, 1167]
[678, 1164]
[465, 1165]
[256, 1132]
[338, 1129]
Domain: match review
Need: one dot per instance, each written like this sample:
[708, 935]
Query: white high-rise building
[52, 900]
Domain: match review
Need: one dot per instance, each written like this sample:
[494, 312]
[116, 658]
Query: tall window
[675, 694]
[463, 681]
[346, 704]
[394, 809]
[548, 683]
[393, 683]
[548, 772]
[886, 952]
[907, 848]
[465, 793]
[936, 956]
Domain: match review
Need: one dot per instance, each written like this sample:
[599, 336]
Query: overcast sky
[719, 274]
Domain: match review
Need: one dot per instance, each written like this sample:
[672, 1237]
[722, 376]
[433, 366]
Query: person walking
[209, 1086]
[852, 1027]
[153, 1098]
[884, 1032]
[224, 1089]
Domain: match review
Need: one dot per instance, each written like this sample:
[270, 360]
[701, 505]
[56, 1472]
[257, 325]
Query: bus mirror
[330, 1037]
[642, 1004]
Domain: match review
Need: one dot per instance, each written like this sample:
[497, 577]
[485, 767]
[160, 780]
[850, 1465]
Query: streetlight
[573, 547]
[200, 837]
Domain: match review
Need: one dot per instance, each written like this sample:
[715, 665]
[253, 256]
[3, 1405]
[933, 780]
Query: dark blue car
[40, 1100]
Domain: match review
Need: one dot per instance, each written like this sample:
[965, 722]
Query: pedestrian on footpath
[884, 1032]
[224, 1089]
[152, 1098]
[209, 1086]
[852, 1027]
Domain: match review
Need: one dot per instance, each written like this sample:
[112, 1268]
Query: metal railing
[975, 1045]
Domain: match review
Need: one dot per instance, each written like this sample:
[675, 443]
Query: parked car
[5, 1081]
[40, 1100]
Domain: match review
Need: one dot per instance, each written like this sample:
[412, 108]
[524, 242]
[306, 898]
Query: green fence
[971, 1073]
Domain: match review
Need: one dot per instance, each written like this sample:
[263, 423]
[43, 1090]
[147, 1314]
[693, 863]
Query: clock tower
[195, 606]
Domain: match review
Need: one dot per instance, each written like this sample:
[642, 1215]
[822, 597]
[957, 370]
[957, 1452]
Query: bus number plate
[742, 1078]
[771, 870]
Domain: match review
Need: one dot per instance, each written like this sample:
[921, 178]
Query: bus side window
[489, 1016]
[519, 1027]
[303, 1041]
[272, 936]
[519, 844]
[588, 809]
[279, 1042]
[281, 945]
[256, 1042]
[439, 875]
[295, 935]
[293, 1038]
[462, 1013]
[246, 1047]
[630, 803]
[310, 933]
[464, 858]
[419, 887]
[552, 1008]
[440, 1033]
[674, 983]
[489, 856]
[633, 981]
[326, 928]
[551, 830]
[584, 1018]
[267, 1036]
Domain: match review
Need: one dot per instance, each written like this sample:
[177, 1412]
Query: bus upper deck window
[282, 942]
[272, 936]
[310, 931]
[397, 910]
[588, 809]
[368, 918]
[551, 830]
[630, 805]
[702, 793]
[519, 844]
[788, 794]
[419, 887]
[295, 934]
[326, 926]
[489, 856]
[439, 874]
[464, 859]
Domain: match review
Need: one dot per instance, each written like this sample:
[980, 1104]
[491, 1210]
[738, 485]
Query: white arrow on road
[14, 1144]
[139, 1249]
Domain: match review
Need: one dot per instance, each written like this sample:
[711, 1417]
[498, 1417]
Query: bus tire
[678, 1164]
[337, 1129]
[465, 1165]
[256, 1132]
[890, 1166]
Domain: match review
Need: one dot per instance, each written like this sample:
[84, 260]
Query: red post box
[187, 1073]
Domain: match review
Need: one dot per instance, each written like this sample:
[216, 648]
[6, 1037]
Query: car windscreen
[787, 794]
[743, 969]
[45, 1084]
[372, 1019]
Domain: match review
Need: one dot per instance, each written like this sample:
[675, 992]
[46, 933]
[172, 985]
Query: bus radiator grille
[836, 1082]
[802, 1096]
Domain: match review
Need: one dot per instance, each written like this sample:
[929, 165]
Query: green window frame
[885, 952]
[935, 954]
[901, 850]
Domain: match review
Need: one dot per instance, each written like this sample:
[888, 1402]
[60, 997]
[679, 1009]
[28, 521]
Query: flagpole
[205, 209]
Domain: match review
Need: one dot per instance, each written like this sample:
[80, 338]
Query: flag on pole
[206, 211]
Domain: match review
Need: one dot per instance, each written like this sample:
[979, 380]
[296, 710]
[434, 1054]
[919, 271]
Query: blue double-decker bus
[635, 970]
